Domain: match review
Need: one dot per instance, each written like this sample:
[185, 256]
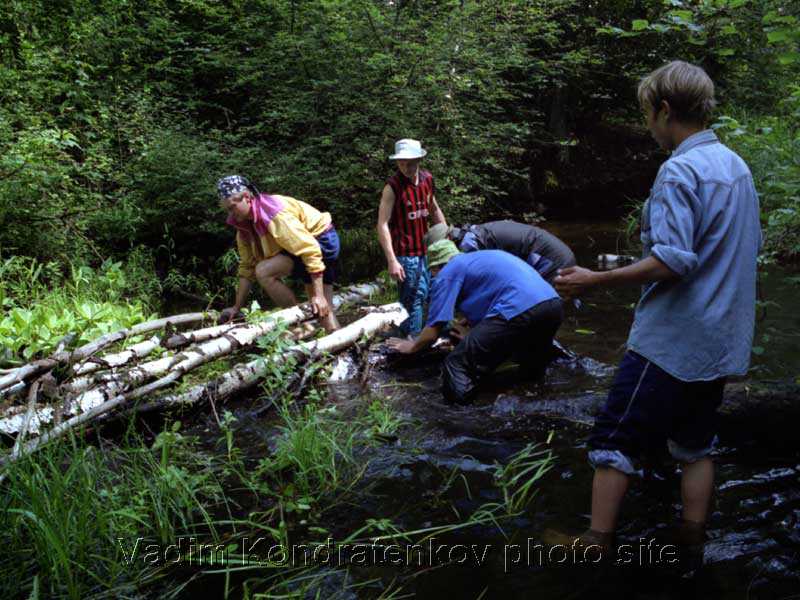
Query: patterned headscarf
[234, 184]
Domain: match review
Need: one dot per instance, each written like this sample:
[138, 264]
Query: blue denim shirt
[702, 221]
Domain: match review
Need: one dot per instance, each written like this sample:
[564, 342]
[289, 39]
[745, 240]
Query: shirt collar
[410, 179]
[696, 139]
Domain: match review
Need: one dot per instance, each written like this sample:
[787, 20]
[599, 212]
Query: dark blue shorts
[329, 245]
[647, 408]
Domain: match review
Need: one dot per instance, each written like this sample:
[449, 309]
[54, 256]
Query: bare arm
[437, 216]
[424, 340]
[319, 304]
[385, 237]
[241, 293]
[572, 281]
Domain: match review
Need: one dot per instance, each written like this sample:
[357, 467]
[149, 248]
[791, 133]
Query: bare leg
[330, 323]
[269, 272]
[697, 484]
[328, 291]
[608, 490]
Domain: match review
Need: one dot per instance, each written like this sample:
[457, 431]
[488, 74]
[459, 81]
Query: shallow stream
[441, 468]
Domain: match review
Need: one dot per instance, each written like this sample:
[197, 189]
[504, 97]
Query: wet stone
[733, 545]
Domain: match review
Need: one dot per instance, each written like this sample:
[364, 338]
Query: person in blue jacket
[510, 309]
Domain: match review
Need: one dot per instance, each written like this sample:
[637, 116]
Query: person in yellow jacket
[279, 236]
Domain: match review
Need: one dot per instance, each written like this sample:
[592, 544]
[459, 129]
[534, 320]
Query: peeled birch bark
[245, 375]
[82, 395]
[79, 354]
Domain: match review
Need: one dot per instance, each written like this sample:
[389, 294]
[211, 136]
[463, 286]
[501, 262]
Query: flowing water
[441, 468]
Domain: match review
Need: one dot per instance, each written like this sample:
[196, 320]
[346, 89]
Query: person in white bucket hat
[408, 150]
[407, 203]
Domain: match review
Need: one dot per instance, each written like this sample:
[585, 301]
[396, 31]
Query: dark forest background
[117, 116]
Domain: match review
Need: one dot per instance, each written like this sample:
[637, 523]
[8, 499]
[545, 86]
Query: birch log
[239, 335]
[245, 376]
[79, 354]
[111, 361]
[80, 399]
[82, 395]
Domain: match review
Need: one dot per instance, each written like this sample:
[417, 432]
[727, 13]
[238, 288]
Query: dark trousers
[527, 337]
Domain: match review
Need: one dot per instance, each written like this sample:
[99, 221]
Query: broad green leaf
[685, 15]
[788, 58]
[640, 24]
[778, 36]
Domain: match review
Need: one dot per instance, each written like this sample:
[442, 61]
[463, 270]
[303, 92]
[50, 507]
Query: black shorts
[647, 408]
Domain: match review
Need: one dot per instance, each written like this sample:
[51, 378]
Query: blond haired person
[693, 325]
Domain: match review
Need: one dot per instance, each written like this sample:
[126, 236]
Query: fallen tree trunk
[13, 390]
[111, 361]
[80, 397]
[245, 376]
[111, 385]
[218, 340]
[200, 335]
[79, 354]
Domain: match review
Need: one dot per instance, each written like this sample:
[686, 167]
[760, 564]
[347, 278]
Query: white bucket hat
[407, 149]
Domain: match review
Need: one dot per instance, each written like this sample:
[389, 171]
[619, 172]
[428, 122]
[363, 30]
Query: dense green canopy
[118, 115]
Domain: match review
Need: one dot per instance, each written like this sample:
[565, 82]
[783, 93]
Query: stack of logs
[80, 385]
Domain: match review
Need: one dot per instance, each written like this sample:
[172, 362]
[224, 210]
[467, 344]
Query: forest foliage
[117, 116]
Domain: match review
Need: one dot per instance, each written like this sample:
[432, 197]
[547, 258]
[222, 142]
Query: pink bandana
[263, 209]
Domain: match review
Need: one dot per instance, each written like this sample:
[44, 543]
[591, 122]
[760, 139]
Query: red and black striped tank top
[409, 221]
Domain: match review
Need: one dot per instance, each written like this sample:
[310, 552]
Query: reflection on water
[600, 330]
[753, 533]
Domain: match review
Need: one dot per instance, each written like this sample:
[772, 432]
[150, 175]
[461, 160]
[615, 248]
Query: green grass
[71, 513]
[518, 478]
